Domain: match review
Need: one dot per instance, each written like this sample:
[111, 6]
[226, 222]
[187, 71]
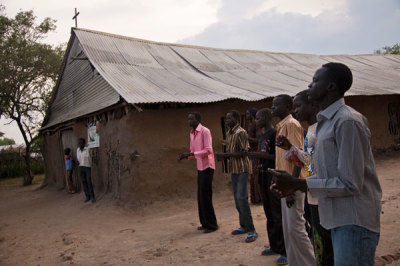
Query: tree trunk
[28, 177]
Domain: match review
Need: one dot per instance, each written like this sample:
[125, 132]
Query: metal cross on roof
[76, 18]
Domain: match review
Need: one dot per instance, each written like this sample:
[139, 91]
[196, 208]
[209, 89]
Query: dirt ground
[49, 227]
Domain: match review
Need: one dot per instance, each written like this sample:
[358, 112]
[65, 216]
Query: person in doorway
[83, 157]
[298, 245]
[201, 149]
[240, 167]
[69, 167]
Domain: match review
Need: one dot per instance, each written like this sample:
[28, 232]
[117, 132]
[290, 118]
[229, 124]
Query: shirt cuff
[316, 187]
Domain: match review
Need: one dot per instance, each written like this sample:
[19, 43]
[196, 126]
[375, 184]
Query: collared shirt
[201, 146]
[83, 157]
[238, 141]
[345, 183]
[292, 130]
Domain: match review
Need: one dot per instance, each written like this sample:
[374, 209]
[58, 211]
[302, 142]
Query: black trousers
[86, 178]
[204, 199]
[273, 212]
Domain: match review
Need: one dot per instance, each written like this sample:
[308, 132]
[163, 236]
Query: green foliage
[37, 145]
[13, 164]
[28, 72]
[395, 49]
[6, 141]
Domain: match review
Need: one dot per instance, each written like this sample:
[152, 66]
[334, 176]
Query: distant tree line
[12, 163]
[395, 49]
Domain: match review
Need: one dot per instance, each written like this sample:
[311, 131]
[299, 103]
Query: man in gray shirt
[346, 183]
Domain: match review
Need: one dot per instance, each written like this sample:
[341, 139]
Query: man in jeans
[83, 157]
[346, 185]
[201, 149]
[240, 167]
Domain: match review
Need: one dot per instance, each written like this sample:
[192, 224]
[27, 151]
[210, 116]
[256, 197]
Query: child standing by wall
[69, 166]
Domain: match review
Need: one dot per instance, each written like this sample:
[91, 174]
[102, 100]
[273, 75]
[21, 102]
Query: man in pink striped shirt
[201, 149]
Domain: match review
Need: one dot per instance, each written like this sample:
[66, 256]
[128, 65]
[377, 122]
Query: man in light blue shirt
[346, 183]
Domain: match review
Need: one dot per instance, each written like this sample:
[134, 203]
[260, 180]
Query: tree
[5, 141]
[28, 72]
[395, 49]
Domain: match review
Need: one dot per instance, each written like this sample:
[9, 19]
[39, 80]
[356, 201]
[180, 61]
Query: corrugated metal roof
[143, 71]
[149, 72]
[80, 90]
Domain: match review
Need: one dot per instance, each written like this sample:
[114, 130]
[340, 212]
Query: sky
[300, 26]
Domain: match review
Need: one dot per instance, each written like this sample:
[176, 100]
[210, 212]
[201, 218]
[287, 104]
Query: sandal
[238, 231]
[251, 237]
[268, 252]
[282, 261]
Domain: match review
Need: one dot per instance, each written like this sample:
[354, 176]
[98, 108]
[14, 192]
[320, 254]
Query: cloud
[356, 27]
[158, 20]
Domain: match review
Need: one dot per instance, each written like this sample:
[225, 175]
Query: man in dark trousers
[297, 244]
[83, 157]
[251, 128]
[345, 184]
[201, 149]
[239, 166]
[272, 204]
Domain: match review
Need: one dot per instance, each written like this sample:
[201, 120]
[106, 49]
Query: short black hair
[82, 139]
[341, 75]
[287, 99]
[235, 114]
[196, 115]
[252, 111]
[67, 151]
[303, 96]
[266, 113]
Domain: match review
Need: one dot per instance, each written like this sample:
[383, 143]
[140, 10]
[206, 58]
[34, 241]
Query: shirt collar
[198, 128]
[331, 110]
[233, 130]
[283, 121]
[84, 148]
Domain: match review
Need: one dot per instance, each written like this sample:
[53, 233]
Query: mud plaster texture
[136, 162]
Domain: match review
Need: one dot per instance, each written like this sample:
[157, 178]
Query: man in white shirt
[83, 157]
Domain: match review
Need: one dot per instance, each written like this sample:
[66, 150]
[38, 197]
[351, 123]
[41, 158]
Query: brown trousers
[70, 184]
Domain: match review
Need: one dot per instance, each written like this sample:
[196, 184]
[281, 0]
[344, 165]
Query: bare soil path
[48, 227]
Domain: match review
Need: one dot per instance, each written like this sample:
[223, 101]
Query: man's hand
[284, 184]
[290, 201]
[219, 156]
[283, 143]
[278, 192]
[184, 156]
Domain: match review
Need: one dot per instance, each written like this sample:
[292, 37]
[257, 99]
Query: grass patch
[17, 181]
